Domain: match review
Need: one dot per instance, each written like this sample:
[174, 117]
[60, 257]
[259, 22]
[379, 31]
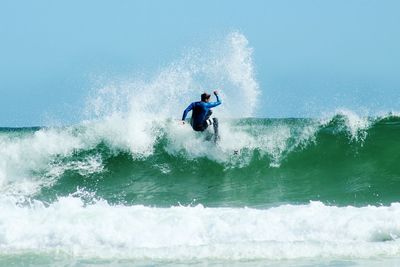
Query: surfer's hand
[215, 92]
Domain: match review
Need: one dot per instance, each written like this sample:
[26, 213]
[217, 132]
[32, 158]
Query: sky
[310, 56]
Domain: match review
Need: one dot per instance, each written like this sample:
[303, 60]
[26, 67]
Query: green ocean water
[300, 192]
[331, 166]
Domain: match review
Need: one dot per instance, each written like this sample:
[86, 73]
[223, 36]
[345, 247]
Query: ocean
[129, 185]
[300, 192]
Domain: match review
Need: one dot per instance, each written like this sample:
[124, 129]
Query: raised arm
[186, 111]
[214, 104]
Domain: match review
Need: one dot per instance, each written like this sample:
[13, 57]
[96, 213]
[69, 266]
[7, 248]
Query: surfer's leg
[214, 123]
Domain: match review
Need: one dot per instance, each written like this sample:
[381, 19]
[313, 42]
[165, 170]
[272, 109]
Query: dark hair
[205, 96]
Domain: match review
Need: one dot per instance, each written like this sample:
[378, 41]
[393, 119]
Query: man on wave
[202, 112]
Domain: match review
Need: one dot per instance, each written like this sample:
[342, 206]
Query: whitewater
[131, 186]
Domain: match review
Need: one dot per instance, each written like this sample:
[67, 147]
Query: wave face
[342, 161]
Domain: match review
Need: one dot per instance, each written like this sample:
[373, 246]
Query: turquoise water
[301, 192]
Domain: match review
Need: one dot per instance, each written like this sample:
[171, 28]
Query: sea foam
[100, 230]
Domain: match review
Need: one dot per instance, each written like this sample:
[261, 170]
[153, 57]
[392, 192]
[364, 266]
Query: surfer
[202, 112]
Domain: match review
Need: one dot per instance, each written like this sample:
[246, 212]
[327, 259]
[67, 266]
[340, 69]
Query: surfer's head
[205, 97]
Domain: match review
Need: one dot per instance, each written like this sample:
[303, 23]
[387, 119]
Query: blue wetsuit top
[200, 111]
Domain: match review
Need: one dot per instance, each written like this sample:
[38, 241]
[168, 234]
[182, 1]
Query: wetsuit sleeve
[186, 111]
[214, 104]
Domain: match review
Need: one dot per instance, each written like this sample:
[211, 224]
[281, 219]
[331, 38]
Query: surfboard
[216, 130]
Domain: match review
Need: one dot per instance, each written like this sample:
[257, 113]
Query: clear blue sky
[310, 56]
